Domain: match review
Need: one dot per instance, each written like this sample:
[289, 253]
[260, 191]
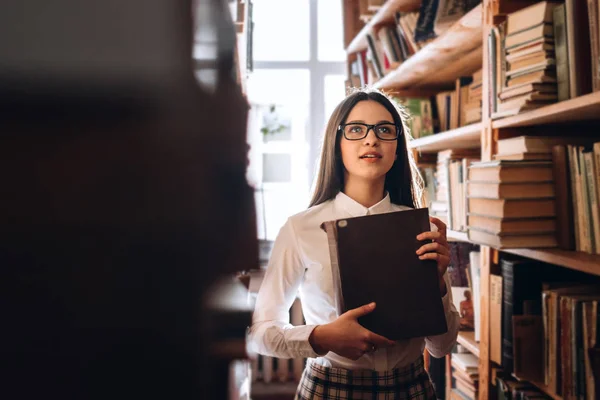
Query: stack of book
[511, 204]
[450, 199]
[526, 63]
[465, 376]
[576, 177]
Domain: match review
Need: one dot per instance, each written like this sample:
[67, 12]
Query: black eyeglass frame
[399, 130]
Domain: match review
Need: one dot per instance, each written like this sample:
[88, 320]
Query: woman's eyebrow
[359, 121]
[385, 121]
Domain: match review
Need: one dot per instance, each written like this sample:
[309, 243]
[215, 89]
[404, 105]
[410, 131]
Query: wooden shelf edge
[575, 260]
[467, 339]
[464, 137]
[586, 107]
[384, 15]
[579, 261]
[459, 49]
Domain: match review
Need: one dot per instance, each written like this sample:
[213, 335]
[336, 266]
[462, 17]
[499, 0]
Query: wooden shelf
[465, 137]
[457, 52]
[383, 16]
[575, 260]
[457, 236]
[581, 108]
[467, 339]
[589, 263]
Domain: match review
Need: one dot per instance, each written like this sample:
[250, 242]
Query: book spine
[507, 313]
[584, 204]
[565, 234]
[593, 25]
[593, 200]
[561, 52]
[331, 229]
[572, 154]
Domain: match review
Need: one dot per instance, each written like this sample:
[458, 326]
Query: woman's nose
[371, 137]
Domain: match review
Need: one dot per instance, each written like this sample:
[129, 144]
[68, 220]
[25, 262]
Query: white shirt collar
[356, 209]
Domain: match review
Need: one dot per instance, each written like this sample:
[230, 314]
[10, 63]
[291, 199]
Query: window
[330, 31]
[281, 30]
[296, 83]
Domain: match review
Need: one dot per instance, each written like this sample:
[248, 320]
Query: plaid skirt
[411, 382]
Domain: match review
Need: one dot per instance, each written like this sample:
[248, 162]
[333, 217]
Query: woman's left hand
[439, 250]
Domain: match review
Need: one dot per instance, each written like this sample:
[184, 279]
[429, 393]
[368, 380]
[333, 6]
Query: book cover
[374, 259]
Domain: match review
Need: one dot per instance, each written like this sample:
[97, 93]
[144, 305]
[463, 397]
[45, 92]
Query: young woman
[365, 169]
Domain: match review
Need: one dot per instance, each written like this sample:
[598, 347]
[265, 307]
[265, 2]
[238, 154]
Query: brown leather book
[565, 234]
[375, 259]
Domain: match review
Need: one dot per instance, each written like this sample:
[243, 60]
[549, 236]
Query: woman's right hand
[346, 337]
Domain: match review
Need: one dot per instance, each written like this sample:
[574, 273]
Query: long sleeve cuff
[296, 340]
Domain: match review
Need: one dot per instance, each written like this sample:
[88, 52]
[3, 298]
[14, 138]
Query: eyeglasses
[358, 131]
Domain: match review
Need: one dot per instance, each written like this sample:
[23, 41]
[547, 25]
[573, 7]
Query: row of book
[390, 45]
[539, 191]
[543, 53]
[461, 106]
[543, 322]
[544, 325]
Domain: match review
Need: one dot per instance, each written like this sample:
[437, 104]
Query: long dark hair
[403, 181]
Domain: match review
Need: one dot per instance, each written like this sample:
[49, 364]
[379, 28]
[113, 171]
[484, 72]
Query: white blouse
[300, 263]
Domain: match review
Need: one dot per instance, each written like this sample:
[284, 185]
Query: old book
[526, 102]
[561, 53]
[565, 233]
[504, 241]
[367, 271]
[544, 30]
[541, 44]
[597, 165]
[535, 144]
[590, 337]
[541, 76]
[499, 190]
[521, 59]
[524, 157]
[495, 225]
[511, 171]
[496, 318]
[527, 88]
[528, 347]
[513, 208]
[534, 15]
[594, 201]
[594, 43]
[578, 47]
[526, 66]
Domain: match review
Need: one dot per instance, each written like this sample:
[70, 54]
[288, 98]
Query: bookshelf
[461, 50]
[384, 15]
[467, 339]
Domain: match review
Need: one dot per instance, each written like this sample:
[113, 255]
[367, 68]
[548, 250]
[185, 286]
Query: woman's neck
[366, 193]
